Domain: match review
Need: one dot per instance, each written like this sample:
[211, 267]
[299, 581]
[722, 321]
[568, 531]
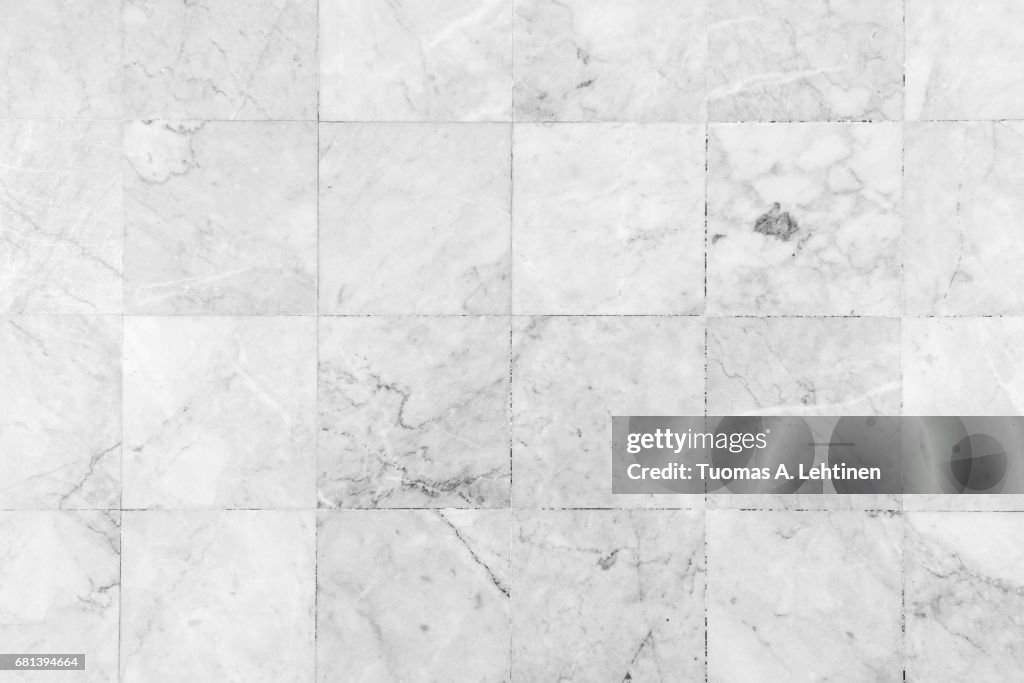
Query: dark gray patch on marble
[776, 223]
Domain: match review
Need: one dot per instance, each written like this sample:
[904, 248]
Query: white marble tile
[600, 60]
[61, 217]
[603, 595]
[60, 589]
[964, 599]
[812, 596]
[413, 595]
[220, 217]
[963, 59]
[220, 412]
[791, 60]
[804, 366]
[963, 366]
[962, 249]
[570, 376]
[220, 59]
[409, 61]
[61, 59]
[60, 412]
[414, 412]
[218, 596]
[415, 218]
[804, 219]
[608, 219]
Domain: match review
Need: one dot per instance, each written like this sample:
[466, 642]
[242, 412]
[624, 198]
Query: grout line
[625, 508]
[529, 122]
[511, 323]
[902, 369]
[122, 130]
[709, 316]
[316, 377]
[707, 169]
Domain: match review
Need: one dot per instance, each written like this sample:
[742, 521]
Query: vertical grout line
[511, 319]
[707, 165]
[316, 371]
[902, 371]
[903, 594]
[121, 353]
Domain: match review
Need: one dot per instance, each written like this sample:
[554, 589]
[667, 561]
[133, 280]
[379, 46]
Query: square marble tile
[818, 495]
[220, 412]
[604, 595]
[61, 60]
[409, 61]
[800, 61]
[220, 60]
[570, 376]
[414, 412]
[963, 366]
[60, 412]
[60, 589]
[964, 596]
[600, 60]
[61, 216]
[413, 595]
[963, 59]
[415, 218]
[608, 219]
[962, 250]
[804, 596]
[223, 595]
[804, 219]
[220, 217]
[803, 366]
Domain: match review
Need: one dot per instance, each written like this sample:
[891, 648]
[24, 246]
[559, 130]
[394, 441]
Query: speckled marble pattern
[314, 315]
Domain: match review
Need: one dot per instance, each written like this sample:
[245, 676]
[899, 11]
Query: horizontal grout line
[710, 316]
[710, 507]
[544, 122]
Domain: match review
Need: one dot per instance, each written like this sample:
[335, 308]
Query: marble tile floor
[313, 316]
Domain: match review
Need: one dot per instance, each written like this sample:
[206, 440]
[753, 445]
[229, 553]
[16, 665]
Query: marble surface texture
[827, 606]
[788, 60]
[219, 412]
[62, 215]
[314, 315]
[963, 59]
[581, 60]
[220, 217]
[413, 412]
[608, 595]
[840, 186]
[60, 412]
[570, 375]
[963, 206]
[415, 218]
[413, 595]
[410, 61]
[220, 60]
[607, 218]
